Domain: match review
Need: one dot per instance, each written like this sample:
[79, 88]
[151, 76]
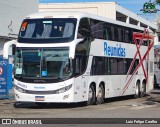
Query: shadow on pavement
[66, 105]
[156, 91]
[155, 96]
[47, 105]
[155, 99]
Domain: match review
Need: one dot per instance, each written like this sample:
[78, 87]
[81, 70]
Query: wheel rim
[137, 91]
[143, 90]
[100, 94]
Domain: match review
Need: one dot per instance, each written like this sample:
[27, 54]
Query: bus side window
[84, 28]
[120, 34]
[114, 69]
[115, 33]
[131, 37]
[127, 36]
[107, 31]
[112, 33]
[97, 29]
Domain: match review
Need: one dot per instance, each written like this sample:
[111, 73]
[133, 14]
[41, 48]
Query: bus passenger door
[79, 66]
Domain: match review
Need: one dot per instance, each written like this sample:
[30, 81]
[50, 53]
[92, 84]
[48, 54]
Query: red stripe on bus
[141, 36]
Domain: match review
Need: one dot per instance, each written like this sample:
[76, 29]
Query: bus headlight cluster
[64, 89]
[61, 90]
[20, 89]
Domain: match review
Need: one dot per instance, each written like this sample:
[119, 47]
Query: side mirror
[6, 48]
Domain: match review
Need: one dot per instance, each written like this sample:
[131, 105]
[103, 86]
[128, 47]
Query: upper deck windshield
[49, 30]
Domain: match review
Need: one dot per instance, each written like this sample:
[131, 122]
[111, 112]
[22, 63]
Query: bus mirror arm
[7, 45]
[72, 47]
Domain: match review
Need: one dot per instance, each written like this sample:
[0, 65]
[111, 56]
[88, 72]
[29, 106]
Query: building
[12, 12]
[106, 9]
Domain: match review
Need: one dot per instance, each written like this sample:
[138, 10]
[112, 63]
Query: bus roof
[78, 15]
[56, 14]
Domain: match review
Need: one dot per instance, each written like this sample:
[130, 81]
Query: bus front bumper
[66, 97]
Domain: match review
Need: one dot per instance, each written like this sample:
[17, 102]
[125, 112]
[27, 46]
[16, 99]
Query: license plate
[39, 98]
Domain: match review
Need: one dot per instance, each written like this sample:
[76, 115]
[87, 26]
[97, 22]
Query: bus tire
[143, 90]
[91, 95]
[100, 95]
[17, 105]
[137, 91]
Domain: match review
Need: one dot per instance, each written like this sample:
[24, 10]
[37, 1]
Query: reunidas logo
[114, 51]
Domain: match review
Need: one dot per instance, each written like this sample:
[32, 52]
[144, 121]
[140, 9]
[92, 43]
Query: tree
[158, 1]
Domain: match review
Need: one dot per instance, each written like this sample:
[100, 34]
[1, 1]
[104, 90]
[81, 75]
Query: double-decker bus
[69, 57]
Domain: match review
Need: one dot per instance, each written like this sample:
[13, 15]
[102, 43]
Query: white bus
[69, 57]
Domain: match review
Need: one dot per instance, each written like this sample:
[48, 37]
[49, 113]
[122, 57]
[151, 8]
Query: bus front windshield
[52, 29]
[43, 63]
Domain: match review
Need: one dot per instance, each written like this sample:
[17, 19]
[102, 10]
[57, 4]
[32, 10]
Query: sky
[132, 5]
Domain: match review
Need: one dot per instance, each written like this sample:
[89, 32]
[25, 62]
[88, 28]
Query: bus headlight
[64, 89]
[20, 89]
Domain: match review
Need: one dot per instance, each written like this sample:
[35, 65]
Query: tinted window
[47, 29]
[84, 28]
[109, 31]
[112, 66]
